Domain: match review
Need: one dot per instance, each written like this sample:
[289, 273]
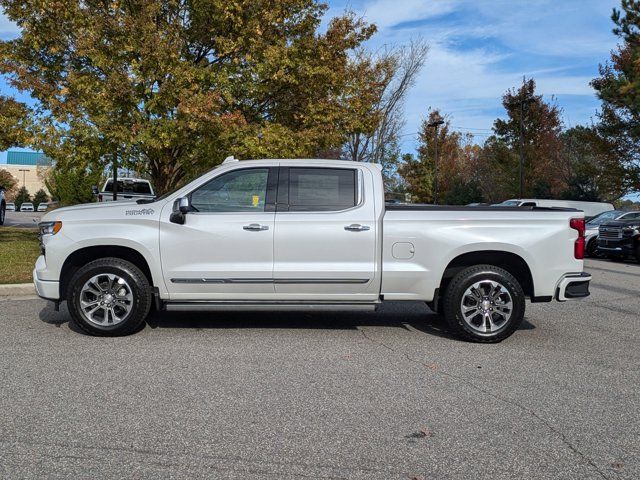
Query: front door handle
[356, 227]
[255, 227]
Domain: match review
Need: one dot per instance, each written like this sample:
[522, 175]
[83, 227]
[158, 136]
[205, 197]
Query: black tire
[3, 213]
[453, 299]
[140, 290]
[638, 252]
[592, 248]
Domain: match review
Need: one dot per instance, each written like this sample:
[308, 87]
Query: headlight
[49, 228]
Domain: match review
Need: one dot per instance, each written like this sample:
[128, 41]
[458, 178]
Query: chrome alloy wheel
[106, 299]
[486, 306]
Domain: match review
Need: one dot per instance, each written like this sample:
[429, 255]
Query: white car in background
[593, 225]
[11, 207]
[43, 207]
[27, 207]
[590, 209]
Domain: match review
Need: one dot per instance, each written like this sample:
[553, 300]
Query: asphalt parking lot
[386, 395]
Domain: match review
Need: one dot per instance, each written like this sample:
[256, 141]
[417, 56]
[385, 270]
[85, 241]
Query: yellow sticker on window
[256, 200]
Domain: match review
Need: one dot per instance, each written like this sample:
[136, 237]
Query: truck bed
[462, 208]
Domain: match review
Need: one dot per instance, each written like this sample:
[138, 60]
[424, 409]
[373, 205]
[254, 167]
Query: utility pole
[435, 125]
[521, 149]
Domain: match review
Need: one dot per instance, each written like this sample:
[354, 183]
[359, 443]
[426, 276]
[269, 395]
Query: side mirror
[183, 205]
[178, 216]
[94, 189]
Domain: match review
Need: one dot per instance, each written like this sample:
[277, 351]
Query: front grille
[610, 233]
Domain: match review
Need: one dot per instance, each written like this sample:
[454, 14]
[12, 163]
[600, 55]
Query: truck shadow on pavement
[411, 316]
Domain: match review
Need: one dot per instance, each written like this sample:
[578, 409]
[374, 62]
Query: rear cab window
[309, 189]
[133, 187]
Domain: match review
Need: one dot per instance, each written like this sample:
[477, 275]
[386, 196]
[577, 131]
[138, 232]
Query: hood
[95, 205]
[631, 223]
[104, 211]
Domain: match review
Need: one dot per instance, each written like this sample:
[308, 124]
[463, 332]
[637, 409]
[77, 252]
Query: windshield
[130, 186]
[604, 217]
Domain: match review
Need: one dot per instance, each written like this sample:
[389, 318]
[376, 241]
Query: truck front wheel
[109, 297]
[484, 304]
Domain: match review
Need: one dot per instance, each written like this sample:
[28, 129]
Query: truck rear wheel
[484, 304]
[109, 297]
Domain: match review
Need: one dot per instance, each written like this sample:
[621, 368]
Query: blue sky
[480, 48]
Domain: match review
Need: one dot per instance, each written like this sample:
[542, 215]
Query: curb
[17, 290]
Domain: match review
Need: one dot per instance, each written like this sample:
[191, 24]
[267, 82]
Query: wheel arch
[84, 255]
[509, 261]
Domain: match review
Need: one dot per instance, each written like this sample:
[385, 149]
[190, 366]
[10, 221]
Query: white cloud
[386, 13]
[482, 48]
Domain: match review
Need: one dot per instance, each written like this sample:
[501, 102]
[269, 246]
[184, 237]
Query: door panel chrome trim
[288, 281]
[221, 280]
[319, 280]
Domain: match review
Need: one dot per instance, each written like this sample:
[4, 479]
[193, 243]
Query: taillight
[578, 247]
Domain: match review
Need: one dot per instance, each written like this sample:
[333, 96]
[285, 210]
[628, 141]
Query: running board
[267, 307]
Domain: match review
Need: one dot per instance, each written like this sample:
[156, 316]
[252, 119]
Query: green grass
[19, 250]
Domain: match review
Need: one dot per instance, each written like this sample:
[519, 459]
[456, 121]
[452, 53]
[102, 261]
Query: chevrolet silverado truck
[306, 235]
[619, 239]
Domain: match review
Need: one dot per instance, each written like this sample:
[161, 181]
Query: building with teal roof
[28, 158]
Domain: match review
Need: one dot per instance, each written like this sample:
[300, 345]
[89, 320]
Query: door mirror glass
[184, 205]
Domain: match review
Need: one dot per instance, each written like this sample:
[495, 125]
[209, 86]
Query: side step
[267, 307]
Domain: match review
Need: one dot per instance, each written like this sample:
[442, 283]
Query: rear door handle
[356, 227]
[255, 227]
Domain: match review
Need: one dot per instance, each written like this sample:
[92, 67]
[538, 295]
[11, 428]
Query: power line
[481, 134]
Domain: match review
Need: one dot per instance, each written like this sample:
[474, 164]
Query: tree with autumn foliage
[618, 86]
[14, 123]
[593, 167]
[456, 182]
[8, 183]
[171, 87]
[541, 127]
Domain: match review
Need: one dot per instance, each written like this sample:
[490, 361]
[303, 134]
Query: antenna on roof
[230, 159]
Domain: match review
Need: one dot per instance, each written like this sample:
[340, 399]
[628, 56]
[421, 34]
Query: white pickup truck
[301, 235]
[128, 189]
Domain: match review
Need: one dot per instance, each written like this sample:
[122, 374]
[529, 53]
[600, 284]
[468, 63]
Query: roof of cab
[299, 161]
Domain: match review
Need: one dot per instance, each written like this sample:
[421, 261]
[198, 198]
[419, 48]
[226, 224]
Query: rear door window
[322, 189]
